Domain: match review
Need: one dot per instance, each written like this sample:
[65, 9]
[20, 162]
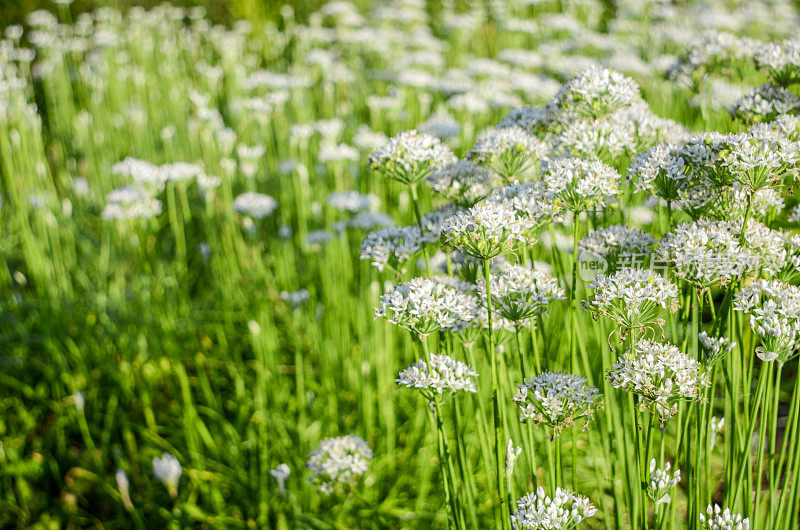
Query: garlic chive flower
[411, 157]
[557, 399]
[512, 453]
[392, 246]
[706, 252]
[131, 202]
[781, 60]
[662, 482]
[254, 204]
[519, 293]
[353, 201]
[596, 92]
[718, 519]
[487, 230]
[661, 375]
[661, 170]
[441, 376]
[580, 185]
[510, 152]
[281, 473]
[530, 201]
[464, 183]
[765, 103]
[424, 305]
[632, 298]
[537, 511]
[337, 463]
[616, 245]
[168, 471]
[774, 311]
[715, 348]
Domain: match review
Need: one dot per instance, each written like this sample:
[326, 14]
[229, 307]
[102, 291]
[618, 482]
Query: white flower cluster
[392, 245]
[580, 185]
[440, 375]
[154, 176]
[557, 399]
[424, 305]
[508, 151]
[718, 519]
[353, 201]
[781, 60]
[661, 374]
[774, 310]
[519, 293]
[764, 103]
[537, 511]
[662, 482]
[716, 348]
[410, 157]
[596, 92]
[660, 170]
[488, 229]
[463, 182]
[529, 200]
[131, 202]
[338, 462]
[258, 205]
[633, 297]
[705, 252]
[616, 243]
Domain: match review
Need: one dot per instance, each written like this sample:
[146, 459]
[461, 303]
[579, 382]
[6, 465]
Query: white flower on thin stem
[565, 510]
[774, 311]
[168, 470]
[338, 463]
[557, 399]
[410, 157]
[718, 519]
[281, 473]
[662, 482]
[512, 453]
[441, 376]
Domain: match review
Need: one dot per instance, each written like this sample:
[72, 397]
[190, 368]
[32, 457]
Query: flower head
[662, 482]
[254, 204]
[580, 185]
[633, 298]
[441, 375]
[339, 462]
[718, 519]
[410, 157]
[519, 293]
[774, 311]
[537, 511]
[557, 399]
[661, 375]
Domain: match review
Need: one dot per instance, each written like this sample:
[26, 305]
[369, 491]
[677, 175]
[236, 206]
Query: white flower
[765, 103]
[557, 399]
[512, 453]
[596, 92]
[717, 519]
[392, 245]
[257, 205]
[168, 470]
[716, 348]
[338, 462]
[774, 311]
[520, 293]
[537, 511]
[488, 229]
[617, 244]
[281, 473]
[463, 182]
[424, 305]
[508, 151]
[632, 297]
[410, 156]
[130, 202]
[352, 201]
[662, 482]
[781, 60]
[440, 376]
[580, 185]
[661, 374]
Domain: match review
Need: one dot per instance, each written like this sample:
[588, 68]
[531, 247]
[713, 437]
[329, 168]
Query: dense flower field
[525, 264]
